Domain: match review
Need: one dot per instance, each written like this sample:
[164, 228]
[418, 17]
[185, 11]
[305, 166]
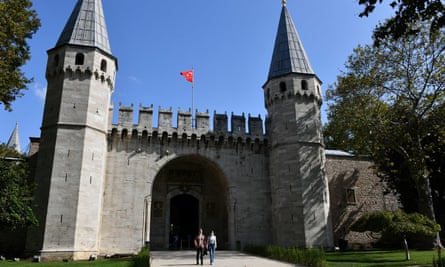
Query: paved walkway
[222, 259]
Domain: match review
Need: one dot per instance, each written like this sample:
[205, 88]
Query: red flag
[188, 75]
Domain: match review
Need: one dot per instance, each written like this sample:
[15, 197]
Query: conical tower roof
[14, 140]
[289, 55]
[86, 26]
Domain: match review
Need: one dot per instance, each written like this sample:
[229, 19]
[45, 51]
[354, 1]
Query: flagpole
[189, 76]
[193, 88]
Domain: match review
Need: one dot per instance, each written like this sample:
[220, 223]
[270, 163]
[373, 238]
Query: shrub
[256, 250]
[397, 226]
[308, 257]
[440, 260]
[142, 259]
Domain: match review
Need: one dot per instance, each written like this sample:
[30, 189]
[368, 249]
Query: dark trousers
[199, 254]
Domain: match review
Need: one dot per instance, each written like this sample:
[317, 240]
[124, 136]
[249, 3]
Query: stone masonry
[355, 190]
[105, 188]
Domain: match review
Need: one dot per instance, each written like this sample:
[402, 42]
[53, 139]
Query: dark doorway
[184, 221]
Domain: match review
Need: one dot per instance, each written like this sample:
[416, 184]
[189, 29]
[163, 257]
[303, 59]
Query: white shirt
[212, 240]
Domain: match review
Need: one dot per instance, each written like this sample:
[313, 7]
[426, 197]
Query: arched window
[304, 85]
[103, 65]
[56, 60]
[283, 87]
[80, 58]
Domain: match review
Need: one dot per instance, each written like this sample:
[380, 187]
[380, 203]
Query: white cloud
[40, 92]
[134, 79]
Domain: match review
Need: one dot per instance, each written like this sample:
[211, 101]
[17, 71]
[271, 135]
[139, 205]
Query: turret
[71, 161]
[299, 186]
[14, 140]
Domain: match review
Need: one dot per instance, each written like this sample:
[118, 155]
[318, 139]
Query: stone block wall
[354, 190]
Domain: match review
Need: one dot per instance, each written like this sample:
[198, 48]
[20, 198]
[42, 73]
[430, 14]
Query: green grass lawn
[99, 263]
[336, 259]
[379, 258]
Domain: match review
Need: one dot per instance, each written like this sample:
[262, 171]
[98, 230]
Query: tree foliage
[407, 14]
[15, 190]
[389, 104]
[18, 22]
[396, 224]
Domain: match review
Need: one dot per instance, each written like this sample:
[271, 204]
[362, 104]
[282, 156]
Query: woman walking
[212, 247]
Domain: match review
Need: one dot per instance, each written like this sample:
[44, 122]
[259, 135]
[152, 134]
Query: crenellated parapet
[77, 72]
[187, 125]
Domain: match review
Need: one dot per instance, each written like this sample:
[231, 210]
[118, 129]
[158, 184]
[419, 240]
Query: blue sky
[229, 44]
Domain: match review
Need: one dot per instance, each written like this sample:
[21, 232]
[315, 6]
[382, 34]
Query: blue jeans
[212, 253]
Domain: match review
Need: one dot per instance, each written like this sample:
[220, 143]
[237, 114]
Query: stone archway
[189, 186]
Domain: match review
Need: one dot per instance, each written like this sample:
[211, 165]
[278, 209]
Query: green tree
[15, 191]
[18, 22]
[396, 225]
[389, 104]
[408, 14]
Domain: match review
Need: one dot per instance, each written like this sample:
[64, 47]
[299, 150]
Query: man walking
[200, 245]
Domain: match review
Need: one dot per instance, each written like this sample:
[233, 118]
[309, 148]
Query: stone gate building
[107, 188]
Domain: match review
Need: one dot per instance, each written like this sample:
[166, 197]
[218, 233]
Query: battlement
[186, 125]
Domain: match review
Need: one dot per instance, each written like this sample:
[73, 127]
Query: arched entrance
[189, 192]
[184, 220]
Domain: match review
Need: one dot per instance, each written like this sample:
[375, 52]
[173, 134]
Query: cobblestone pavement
[184, 258]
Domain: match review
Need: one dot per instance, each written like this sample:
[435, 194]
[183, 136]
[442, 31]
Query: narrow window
[304, 84]
[103, 65]
[56, 61]
[282, 87]
[268, 93]
[350, 196]
[80, 58]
